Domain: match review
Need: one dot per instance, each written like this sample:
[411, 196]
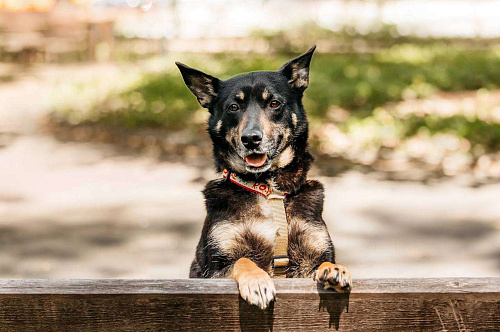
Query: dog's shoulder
[215, 187]
[313, 187]
[308, 201]
[223, 195]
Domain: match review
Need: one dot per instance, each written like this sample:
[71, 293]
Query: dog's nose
[251, 139]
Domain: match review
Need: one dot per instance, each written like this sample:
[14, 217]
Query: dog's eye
[233, 107]
[274, 103]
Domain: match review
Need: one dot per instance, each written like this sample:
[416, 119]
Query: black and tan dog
[259, 131]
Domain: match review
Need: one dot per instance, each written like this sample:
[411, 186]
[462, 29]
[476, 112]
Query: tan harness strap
[280, 259]
[275, 199]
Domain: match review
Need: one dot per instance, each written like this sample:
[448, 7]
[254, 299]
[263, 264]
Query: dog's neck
[287, 179]
[292, 177]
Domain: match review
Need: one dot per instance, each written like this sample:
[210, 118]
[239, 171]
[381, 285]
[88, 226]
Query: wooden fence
[464, 304]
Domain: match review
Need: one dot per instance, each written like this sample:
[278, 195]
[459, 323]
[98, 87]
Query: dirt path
[81, 210]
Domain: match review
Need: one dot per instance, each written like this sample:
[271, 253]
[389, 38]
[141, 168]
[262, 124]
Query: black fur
[229, 233]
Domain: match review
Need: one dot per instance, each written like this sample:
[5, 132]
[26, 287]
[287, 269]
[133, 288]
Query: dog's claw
[257, 288]
[333, 276]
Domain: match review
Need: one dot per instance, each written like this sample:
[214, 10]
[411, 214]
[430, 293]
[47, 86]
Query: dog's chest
[301, 233]
[258, 227]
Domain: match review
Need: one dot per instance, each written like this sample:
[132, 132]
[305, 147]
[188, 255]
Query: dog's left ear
[202, 85]
[297, 70]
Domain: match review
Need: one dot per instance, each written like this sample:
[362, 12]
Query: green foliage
[357, 83]
[157, 100]
[362, 82]
[474, 130]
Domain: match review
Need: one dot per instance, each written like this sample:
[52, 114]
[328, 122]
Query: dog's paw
[333, 276]
[257, 288]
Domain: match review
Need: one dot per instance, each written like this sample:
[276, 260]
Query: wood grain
[464, 304]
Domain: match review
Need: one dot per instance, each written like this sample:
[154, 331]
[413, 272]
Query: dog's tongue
[256, 160]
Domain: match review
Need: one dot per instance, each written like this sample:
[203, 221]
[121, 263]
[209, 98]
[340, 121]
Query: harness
[275, 199]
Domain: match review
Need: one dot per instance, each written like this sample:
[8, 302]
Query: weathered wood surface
[464, 304]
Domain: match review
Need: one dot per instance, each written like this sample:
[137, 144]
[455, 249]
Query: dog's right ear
[202, 85]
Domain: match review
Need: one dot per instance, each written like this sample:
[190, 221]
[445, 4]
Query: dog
[264, 217]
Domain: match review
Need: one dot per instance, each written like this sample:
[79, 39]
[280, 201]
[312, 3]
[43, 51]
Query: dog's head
[257, 121]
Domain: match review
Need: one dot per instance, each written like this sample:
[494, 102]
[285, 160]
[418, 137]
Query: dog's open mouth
[256, 159]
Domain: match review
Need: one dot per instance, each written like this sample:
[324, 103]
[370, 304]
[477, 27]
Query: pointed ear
[202, 85]
[297, 70]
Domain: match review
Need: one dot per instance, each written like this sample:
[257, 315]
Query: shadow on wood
[252, 318]
[334, 304]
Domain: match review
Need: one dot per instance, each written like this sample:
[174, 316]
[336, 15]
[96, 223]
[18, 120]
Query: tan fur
[206, 94]
[294, 119]
[332, 271]
[265, 208]
[267, 126]
[255, 285]
[265, 95]
[300, 77]
[232, 134]
[242, 266]
[242, 125]
[218, 126]
[316, 237]
[285, 157]
[228, 234]
[240, 95]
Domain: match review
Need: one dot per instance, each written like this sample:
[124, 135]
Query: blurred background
[104, 151]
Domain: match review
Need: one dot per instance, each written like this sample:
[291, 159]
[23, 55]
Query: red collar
[260, 188]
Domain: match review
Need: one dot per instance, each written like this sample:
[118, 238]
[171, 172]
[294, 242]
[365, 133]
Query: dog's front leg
[255, 285]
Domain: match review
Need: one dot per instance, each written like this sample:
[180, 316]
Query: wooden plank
[464, 304]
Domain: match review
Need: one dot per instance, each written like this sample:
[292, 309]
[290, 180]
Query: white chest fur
[227, 234]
